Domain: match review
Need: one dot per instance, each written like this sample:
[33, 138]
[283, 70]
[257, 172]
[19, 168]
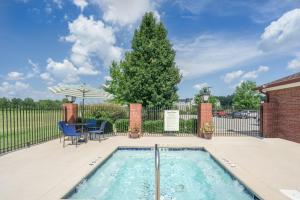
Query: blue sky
[217, 43]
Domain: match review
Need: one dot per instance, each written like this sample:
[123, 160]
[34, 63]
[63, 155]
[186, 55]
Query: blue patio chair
[91, 124]
[60, 127]
[69, 131]
[99, 131]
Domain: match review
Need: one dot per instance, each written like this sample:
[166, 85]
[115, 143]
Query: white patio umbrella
[81, 91]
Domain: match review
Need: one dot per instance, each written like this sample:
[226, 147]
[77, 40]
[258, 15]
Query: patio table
[82, 125]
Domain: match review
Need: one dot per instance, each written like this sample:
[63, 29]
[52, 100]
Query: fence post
[204, 116]
[70, 111]
[135, 116]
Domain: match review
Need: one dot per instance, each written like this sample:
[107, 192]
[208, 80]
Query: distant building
[280, 111]
[185, 102]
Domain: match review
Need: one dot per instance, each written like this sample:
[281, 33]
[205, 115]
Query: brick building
[281, 110]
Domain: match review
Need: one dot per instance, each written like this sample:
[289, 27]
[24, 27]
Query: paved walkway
[48, 171]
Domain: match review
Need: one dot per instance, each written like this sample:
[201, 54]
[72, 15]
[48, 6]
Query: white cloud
[35, 66]
[80, 3]
[125, 12]
[231, 76]
[35, 70]
[48, 9]
[294, 64]
[254, 74]
[32, 72]
[64, 71]
[208, 53]
[194, 7]
[107, 78]
[59, 3]
[15, 76]
[282, 34]
[47, 78]
[20, 89]
[11, 89]
[241, 75]
[91, 38]
[199, 86]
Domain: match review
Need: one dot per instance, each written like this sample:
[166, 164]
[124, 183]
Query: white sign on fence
[171, 120]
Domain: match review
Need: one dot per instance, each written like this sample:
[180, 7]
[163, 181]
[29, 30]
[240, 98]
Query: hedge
[157, 126]
[191, 126]
[106, 111]
[122, 125]
[153, 126]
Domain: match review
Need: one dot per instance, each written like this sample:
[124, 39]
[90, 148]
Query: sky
[218, 43]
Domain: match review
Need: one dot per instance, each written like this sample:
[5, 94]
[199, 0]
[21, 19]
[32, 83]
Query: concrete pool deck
[49, 171]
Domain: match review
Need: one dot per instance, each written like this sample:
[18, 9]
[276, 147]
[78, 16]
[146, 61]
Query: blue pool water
[185, 174]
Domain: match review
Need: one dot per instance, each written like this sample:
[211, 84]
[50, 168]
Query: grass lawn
[24, 127]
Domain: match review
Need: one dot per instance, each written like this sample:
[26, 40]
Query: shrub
[106, 111]
[122, 125]
[153, 126]
[157, 126]
[181, 126]
[191, 126]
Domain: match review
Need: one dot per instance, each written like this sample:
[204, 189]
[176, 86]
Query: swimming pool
[185, 174]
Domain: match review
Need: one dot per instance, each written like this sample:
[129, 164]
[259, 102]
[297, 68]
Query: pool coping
[247, 189]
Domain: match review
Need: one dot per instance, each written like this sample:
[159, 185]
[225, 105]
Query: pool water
[185, 174]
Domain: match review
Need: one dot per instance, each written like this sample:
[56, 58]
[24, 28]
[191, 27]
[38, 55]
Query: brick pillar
[135, 115]
[70, 111]
[269, 122]
[204, 116]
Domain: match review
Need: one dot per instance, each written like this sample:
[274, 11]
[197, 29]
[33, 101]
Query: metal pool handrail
[157, 173]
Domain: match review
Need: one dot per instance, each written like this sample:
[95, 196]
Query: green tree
[245, 96]
[16, 102]
[148, 73]
[202, 91]
[226, 101]
[212, 99]
[28, 102]
[65, 100]
[4, 102]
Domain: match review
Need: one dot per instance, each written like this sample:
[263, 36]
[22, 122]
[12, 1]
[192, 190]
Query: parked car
[252, 114]
[220, 113]
[239, 115]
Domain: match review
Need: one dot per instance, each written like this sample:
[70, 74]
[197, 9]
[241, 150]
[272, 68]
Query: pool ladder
[157, 173]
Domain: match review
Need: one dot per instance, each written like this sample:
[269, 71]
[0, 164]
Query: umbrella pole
[83, 120]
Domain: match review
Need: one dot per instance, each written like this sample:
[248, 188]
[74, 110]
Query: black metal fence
[153, 120]
[24, 126]
[231, 122]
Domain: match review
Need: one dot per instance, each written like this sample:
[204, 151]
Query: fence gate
[230, 122]
[153, 120]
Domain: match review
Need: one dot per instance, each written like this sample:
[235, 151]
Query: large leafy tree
[148, 73]
[246, 97]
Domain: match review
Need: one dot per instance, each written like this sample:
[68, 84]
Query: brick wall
[204, 116]
[269, 120]
[281, 115]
